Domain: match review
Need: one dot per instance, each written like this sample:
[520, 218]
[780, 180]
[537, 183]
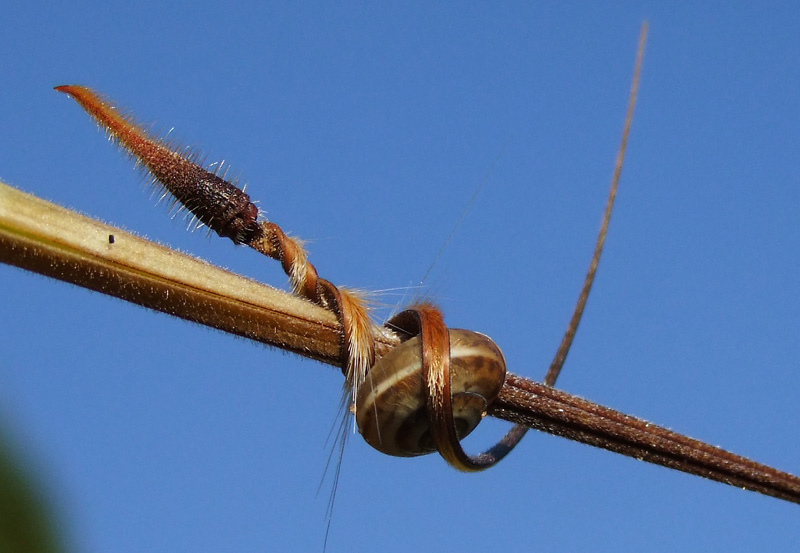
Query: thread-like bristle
[360, 341]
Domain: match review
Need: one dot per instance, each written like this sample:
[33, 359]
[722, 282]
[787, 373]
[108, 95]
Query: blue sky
[366, 129]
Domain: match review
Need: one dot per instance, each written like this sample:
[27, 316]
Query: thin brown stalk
[572, 329]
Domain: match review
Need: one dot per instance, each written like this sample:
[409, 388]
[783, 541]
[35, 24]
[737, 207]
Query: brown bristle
[215, 202]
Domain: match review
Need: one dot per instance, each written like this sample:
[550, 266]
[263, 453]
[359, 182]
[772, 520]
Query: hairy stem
[51, 240]
[54, 241]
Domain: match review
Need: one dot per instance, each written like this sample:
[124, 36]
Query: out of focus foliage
[26, 522]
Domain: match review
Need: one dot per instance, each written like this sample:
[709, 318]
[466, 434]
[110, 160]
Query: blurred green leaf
[26, 521]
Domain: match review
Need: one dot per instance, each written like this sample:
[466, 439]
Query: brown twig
[48, 239]
[550, 410]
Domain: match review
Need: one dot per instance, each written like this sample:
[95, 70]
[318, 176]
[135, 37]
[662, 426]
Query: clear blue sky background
[366, 129]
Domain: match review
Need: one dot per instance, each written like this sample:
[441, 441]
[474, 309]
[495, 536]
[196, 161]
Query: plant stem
[54, 241]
